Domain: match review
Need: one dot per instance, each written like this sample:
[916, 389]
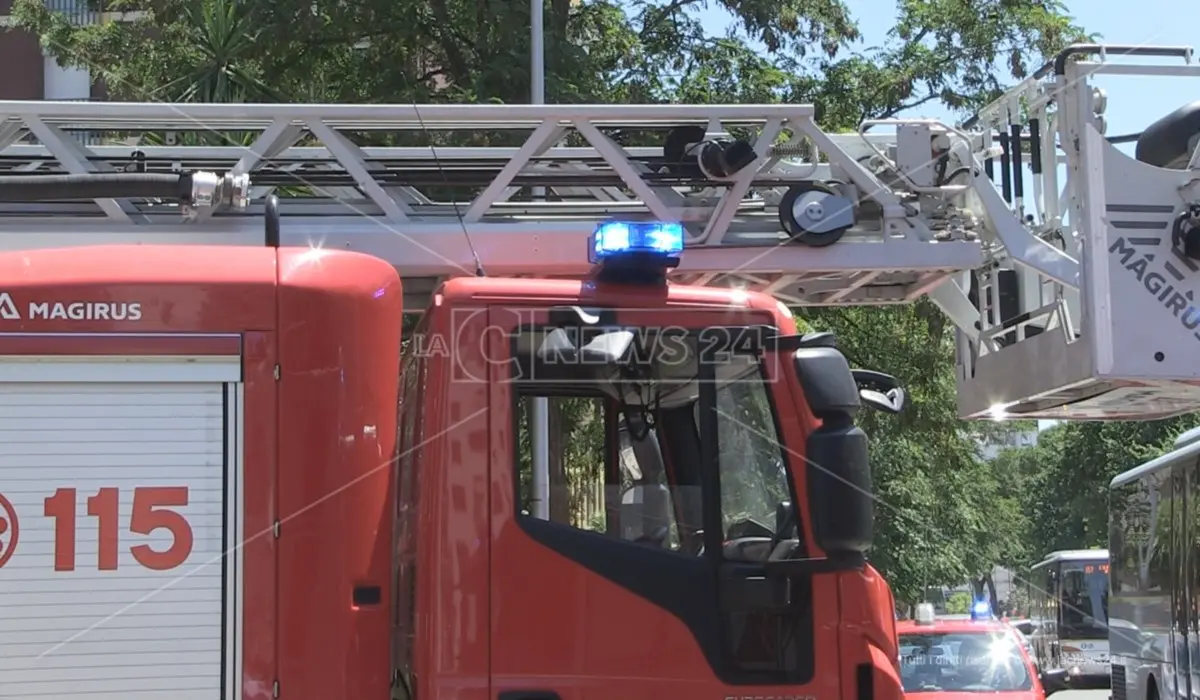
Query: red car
[958, 659]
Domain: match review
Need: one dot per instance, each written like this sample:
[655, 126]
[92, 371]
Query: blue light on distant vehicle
[981, 610]
[615, 239]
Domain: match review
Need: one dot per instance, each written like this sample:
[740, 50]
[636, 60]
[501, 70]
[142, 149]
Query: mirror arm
[870, 379]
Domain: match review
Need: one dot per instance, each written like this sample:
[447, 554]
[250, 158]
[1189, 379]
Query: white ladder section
[1070, 269]
[423, 208]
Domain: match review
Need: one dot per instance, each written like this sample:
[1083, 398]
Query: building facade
[31, 74]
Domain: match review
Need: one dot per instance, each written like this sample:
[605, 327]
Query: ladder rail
[434, 253]
[163, 116]
[394, 202]
[1029, 275]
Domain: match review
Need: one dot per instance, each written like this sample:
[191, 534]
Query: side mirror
[839, 471]
[1055, 680]
[878, 390]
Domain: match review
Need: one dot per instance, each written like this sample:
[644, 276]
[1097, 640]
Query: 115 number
[151, 511]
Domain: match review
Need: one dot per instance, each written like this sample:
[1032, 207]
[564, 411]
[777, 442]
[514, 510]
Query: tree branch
[454, 53]
[903, 106]
[430, 75]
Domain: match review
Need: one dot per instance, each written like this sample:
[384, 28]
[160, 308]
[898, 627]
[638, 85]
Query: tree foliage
[1068, 473]
[956, 51]
[944, 515]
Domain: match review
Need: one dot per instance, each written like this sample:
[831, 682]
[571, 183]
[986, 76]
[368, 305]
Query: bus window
[1084, 601]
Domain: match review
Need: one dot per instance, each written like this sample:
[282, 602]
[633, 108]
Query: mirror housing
[839, 473]
[1055, 680]
[879, 391]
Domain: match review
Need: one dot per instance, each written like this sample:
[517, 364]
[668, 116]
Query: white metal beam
[383, 201]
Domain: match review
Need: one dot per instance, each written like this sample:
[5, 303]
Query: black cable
[54, 188]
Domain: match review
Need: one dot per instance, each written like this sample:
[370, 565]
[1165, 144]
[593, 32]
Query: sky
[1133, 102]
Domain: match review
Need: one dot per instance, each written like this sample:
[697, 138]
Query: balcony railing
[80, 12]
[77, 11]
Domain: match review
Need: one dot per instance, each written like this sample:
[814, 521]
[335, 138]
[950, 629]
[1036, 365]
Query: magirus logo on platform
[69, 310]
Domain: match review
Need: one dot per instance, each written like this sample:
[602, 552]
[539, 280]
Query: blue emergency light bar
[614, 240]
[981, 610]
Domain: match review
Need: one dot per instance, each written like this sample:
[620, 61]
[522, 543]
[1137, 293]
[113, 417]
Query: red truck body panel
[319, 440]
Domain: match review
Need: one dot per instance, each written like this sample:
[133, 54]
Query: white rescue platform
[118, 500]
[1117, 337]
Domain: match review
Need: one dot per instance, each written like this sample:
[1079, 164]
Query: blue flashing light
[616, 239]
[981, 610]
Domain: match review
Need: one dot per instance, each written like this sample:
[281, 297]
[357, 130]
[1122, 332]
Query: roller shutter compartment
[112, 582]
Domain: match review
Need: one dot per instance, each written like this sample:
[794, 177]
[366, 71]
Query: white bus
[1154, 538]
[1068, 594]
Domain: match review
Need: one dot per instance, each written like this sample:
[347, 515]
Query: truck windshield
[753, 477]
[656, 392]
[965, 662]
[1084, 601]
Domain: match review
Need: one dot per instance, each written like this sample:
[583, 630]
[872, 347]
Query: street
[1083, 695]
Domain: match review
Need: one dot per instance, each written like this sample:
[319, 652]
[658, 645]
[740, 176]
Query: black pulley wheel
[1185, 234]
[806, 207]
[675, 154]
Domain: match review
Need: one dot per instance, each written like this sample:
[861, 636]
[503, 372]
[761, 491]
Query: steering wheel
[748, 527]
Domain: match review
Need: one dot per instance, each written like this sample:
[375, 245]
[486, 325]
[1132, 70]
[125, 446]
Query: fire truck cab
[731, 495]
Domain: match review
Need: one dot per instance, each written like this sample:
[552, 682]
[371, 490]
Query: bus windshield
[964, 662]
[1084, 600]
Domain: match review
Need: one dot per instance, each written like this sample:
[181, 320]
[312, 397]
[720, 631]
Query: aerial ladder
[1071, 285]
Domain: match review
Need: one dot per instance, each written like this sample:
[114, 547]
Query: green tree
[959, 603]
[1069, 471]
[596, 50]
[944, 515]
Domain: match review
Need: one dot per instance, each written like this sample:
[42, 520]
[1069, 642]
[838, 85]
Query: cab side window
[604, 477]
[577, 462]
[753, 473]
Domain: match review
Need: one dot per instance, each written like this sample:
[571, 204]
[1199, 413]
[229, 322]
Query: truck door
[614, 588]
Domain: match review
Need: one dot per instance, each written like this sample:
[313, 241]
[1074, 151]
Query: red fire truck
[220, 481]
[221, 478]
[209, 424]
